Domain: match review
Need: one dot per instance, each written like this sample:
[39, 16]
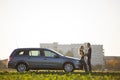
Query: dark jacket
[89, 53]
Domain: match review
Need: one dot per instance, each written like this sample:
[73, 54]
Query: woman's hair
[80, 49]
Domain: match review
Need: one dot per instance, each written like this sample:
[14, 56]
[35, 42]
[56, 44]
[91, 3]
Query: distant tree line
[113, 64]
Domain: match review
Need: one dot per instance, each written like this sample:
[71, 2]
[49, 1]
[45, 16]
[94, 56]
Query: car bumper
[78, 65]
[11, 64]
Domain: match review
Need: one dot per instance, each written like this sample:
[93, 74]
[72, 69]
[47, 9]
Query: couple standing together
[86, 63]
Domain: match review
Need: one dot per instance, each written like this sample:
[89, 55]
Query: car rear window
[21, 53]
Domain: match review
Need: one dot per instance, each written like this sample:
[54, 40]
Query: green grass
[58, 75]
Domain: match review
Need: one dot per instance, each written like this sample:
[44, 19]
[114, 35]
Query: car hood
[71, 57]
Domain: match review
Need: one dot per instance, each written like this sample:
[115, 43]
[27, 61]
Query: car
[25, 59]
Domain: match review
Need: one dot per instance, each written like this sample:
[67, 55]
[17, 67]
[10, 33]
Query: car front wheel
[68, 67]
[21, 67]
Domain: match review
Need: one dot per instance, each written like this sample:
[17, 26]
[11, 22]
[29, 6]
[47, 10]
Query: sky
[27, 23]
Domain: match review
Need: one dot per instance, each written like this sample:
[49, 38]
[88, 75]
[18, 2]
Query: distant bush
[2, 65]
[69, 53]
[113, 65]
[97, 67]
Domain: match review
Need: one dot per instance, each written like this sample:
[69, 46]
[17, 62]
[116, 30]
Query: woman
[81, 53]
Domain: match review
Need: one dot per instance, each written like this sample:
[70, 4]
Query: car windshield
[57, 52]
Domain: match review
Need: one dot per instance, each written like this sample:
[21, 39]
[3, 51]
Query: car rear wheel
[68, 67]
[21, 67]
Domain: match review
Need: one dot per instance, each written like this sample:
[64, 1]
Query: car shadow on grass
[59, 72]
[76, 72]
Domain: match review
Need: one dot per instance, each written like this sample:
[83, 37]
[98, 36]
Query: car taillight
[11, 58]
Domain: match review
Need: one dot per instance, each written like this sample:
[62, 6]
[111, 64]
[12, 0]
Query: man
[89, 52]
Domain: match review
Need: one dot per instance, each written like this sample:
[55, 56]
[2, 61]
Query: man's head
[88, 45]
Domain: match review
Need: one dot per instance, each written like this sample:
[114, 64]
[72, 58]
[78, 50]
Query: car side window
[34, 53]
[20, 53]
[48, 53]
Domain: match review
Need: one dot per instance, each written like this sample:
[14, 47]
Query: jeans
[84, 64]
[89, 64]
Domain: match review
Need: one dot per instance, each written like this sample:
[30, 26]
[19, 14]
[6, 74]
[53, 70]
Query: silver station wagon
[25, 59]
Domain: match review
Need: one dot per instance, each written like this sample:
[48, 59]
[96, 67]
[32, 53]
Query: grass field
[58, 75]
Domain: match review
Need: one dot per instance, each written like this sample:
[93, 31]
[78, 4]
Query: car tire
[68, 67]
[21, 67]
